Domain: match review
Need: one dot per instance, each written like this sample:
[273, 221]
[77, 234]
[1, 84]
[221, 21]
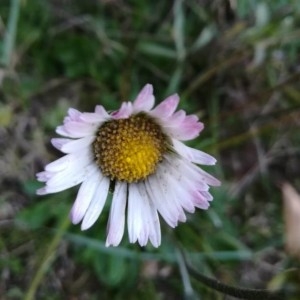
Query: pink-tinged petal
[41, 191]
[74, 129]
[166, 108]
[93, 118]
[59, 142]
[84, 197]
[207, 178]
[62, 131]
[80, 129]
[101, 111]
[124, 112]
[194, 155]
[116, 222]
[96, 205]
[74, 114]
[175, 119]
[199, 200]
[206, 195]
[145, 99]
[191, 123]
[44, 176]
[187, 130]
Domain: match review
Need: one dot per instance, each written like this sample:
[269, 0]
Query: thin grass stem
[47, 259]
[11, 32]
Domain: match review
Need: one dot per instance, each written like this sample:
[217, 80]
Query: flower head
[137, 150]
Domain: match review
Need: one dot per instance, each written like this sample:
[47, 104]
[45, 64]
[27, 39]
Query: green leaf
[156, 50]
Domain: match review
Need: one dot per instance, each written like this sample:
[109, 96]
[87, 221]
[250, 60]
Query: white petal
[181, 193]
[207, 178]
[180, 186]
[189, 173]
[78, 178]
[143, 221]
[151, 223]
[60, 164]
[76, 166]
[161, 196]
[171, 192]
[85, 194]
[116, 222]
[157, 198]
[193, 155]
[135, 213]
[76, 145]
[95, 208]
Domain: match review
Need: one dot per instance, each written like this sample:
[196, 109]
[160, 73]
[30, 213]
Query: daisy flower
[137, 152]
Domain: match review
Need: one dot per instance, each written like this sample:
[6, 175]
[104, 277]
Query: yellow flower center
[129, 149]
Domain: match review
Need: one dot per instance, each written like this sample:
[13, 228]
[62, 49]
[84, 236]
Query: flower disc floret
[129, 149]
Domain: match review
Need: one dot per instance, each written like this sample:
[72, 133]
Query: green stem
[188, 289]
[47, 259]
[241, 293]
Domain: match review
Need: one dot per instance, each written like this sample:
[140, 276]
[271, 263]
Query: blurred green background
[235, 63]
